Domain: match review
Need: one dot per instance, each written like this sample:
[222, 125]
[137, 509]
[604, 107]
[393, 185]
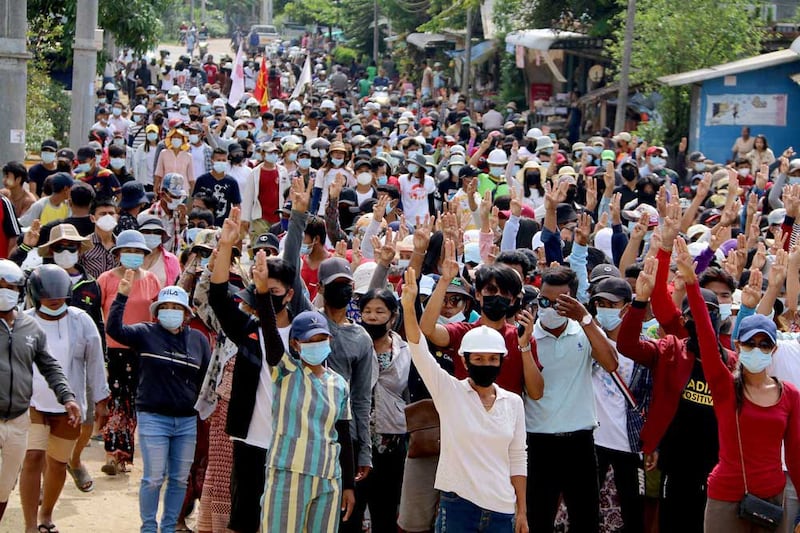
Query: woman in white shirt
[417, 190]
[482, 469]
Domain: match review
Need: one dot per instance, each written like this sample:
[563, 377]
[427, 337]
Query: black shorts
[248, 476]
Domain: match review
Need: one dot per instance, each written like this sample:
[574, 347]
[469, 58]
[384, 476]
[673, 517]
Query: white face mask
[458, 317]
[725, 311]
[8, 299]
[65, 259]
[550, 319]
[106, 222]
[152, 241]
[177, 142]
[365, 178]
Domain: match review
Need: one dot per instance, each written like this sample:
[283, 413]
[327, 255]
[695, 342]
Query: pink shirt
[137, 310]
[181, 163]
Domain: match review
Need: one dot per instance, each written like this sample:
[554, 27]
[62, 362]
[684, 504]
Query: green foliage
[48, 108]
[669, 38]
[588, 16]
[512, 81]
[344, 55]
[322, 12]
[651, 131]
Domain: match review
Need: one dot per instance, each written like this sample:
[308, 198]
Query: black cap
[697, 156]
[348, 197]
[613, 289]
[266, 240]
[603, 271]
[65, 153]
[365, 207]
[467, 171]
[708, 296]
[235, 147]
[49, 144]
[565, 213]
[314, 114]
[362, 163]
[61, 180]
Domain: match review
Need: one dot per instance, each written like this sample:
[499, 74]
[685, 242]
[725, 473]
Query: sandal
[81, 477]
[111, 467]
[44, 528]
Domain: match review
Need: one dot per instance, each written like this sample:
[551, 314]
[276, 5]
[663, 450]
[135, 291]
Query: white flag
[237, 79]
[304, 79]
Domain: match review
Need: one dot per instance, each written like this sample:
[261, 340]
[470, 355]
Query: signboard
[541, 91]
[746, 109]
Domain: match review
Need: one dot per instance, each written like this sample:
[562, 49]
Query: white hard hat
[140, 110]
[543, 143]
[277, 105]
[327, 104]
[251, 102]
[110, 87]
[458, 149]
[173, 90]
[497, 157]
[194, 91]
[184, 101]
[219, 102]
[483, 339]
[362, 276]
[533, 134]
[201, 100]
[294, 105]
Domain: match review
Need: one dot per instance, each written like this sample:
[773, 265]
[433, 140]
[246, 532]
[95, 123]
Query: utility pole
[266, 11]
[13, 78]
[84, 72]
[625, 68]
[467, 70]
[203, 10]
[376, 34]
[191, 11]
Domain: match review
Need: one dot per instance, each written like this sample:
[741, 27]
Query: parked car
[267, 34]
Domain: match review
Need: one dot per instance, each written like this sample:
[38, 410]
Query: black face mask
[531, 146]
[194, 118]
[338, 295]
[277, 302]
[628, 173]
[647, 198]
[236, 159]
[495, 307]
[533, 179]
[572, 192]
[692, 342]
[483, 375]
[376, 331]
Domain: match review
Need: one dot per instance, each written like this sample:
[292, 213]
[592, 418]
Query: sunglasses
[202, 252]
[453, 301]
[58, 247]
[764, 346]
[545, 302]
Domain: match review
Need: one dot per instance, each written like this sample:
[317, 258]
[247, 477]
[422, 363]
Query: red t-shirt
[211, 72]
[511, 377]
[310, 277]
[268, 192]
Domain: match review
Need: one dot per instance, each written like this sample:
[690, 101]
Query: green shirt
[486, 183]
[364, 85]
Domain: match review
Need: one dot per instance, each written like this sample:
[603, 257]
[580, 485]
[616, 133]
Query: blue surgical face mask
[608, 318]
[382, 180]
[725, 311]
[220, 167]
[304, 163]
[131, 260]
[754, 360]
[412, 168]
[650, 328]
[204, 261]
[699, 167]
[242, 134]
[191, 235]
[305, 249]
[292, 156]
[170, 318]
[337, 161]
[82, 167]
[152, 136]
[117, 162]
[658, 162]
[496, 171]
[60, 310]
[314, 353]
[271, 157]
[48, 157]
[793, 180]
[412, 153]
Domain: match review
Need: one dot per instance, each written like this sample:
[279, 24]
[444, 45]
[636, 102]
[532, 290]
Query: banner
[261, 92]
[304, 79]
[237, 79]
[746, 109]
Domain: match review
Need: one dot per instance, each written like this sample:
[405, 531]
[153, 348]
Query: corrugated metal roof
[735, 67]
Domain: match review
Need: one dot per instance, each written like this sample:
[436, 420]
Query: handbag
[756, 510]
[422, 423]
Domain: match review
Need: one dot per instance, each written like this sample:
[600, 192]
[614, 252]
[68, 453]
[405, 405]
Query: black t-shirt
[37, 174]
[224, 191]
[447, 188]
[691, 444]
[627, 195]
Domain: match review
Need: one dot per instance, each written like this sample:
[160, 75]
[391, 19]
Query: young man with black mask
[630, 177]
[498, 288]
[680, 435]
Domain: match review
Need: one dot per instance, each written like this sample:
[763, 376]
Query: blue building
[761, 92]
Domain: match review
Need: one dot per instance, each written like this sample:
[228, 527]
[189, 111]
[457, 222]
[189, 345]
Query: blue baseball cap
[755, 324]
[307, 324]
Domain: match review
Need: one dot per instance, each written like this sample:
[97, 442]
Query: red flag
[261, 92]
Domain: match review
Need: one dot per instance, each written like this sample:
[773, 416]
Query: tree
[591, 16]
[671, 38]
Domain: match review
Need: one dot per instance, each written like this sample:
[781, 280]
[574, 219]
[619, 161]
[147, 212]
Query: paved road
[216, 47]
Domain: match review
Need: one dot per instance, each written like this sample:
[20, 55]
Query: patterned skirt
[123, 378]
[215, 502]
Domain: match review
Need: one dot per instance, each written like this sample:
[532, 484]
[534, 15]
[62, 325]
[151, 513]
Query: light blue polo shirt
[568, 401]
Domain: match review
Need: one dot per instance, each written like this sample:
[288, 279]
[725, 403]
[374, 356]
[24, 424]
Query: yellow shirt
[52, 212]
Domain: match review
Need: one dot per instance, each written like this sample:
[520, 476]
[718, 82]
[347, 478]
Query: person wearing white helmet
[136, 131]
[487, 479]
[528, 150]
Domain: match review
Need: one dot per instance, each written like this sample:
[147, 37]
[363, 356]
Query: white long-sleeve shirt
[480, 449]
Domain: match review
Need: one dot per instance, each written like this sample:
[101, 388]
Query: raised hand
[340, 250]
[602, 223]
[335, 190]
[685, 261]
[762, 176]
[386, 252]
[704, 186]
[616, 208]
[449, 268]
[379, 209]
[779, 269]
[719, 234]
[671, 225]
[126, 282]
[751, 293]
[752, 205]
[410, 290]
[229, 234]
[569, 307]
[402, 231]
[301, 194]
[584, 229]
[730, 212]
[591, 193]
[516, 205]
[646, 280]
[791, 200]
[261, 273]
[640, 229]
[422, 234]
[355, 258]
[609, 178]
[31, 238]
[760, 259]
[486, 206]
